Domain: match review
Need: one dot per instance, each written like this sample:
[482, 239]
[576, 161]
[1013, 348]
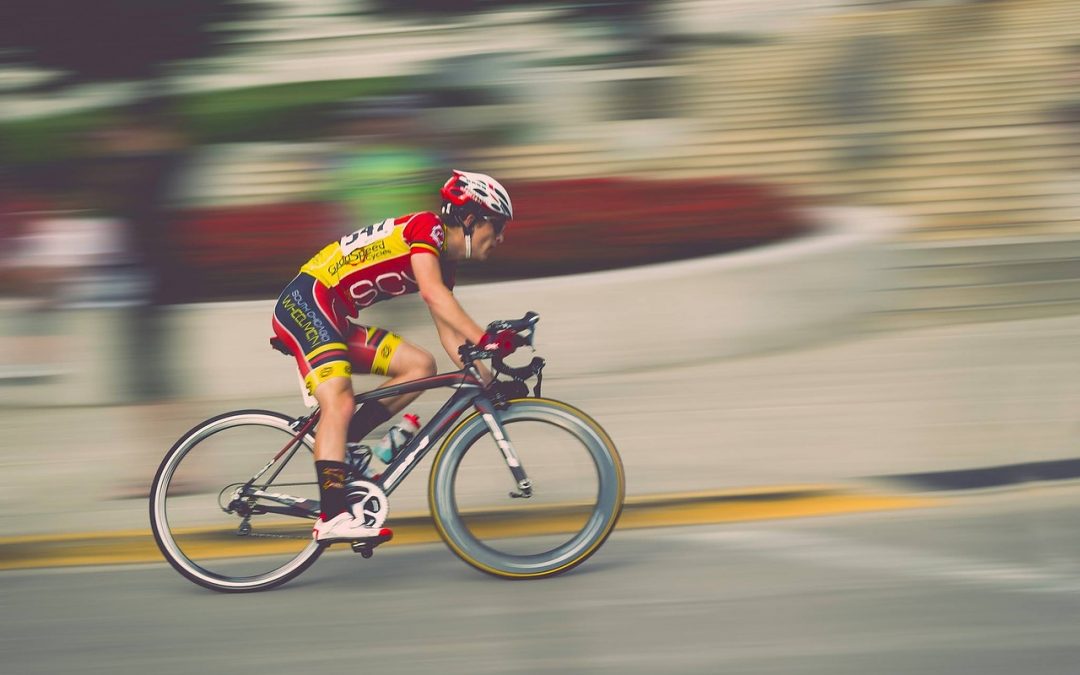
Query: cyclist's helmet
[475, 193]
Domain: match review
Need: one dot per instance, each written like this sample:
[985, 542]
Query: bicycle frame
[470, 393]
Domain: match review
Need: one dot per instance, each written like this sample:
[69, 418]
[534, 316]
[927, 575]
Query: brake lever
[527, 340]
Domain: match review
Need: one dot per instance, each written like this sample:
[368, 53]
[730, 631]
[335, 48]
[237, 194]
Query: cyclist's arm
[454, 325]
[451, 340]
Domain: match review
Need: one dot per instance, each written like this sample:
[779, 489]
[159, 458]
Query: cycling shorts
[311, 320]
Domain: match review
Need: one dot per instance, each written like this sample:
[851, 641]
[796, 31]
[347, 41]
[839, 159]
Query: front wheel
[577, 488]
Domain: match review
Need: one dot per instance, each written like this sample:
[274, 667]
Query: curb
[1006, 475]
[767, 503]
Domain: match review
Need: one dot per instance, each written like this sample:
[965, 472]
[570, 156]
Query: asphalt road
[985, 584]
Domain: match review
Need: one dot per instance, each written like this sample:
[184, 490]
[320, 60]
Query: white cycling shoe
[344, 527]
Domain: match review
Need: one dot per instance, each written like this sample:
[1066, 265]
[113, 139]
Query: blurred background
[853, 226]
[194, 152]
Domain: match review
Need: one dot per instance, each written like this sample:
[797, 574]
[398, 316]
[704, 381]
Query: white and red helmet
[475, 193]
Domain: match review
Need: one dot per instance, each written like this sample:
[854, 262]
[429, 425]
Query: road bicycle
[232, 504]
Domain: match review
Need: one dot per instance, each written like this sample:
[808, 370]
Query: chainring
[368, 501]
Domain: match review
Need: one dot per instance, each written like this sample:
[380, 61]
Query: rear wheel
[223, 530]
[577, 486]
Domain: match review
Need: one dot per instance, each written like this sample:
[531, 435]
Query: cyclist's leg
[310, 320]
[336, 401]
[381, 352]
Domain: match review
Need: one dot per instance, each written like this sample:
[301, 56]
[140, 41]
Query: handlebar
[522, 373]
[526, 324]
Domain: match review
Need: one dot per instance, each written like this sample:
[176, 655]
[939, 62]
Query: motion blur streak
[830, 244]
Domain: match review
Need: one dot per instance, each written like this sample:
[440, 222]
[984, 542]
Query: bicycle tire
[600, 518]
[179, 555]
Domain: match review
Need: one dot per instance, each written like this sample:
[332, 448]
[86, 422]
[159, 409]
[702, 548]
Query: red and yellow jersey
[375, 262]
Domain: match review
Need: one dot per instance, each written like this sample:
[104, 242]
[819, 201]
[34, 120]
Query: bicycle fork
[521, 479]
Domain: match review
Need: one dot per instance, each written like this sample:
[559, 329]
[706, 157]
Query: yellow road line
[135, 546]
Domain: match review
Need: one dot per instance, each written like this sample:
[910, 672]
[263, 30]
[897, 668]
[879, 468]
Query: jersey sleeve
[424, 234]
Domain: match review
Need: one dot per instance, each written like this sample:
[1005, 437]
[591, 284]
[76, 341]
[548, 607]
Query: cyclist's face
[487, 234]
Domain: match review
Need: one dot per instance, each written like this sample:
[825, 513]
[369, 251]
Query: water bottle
[395, 439]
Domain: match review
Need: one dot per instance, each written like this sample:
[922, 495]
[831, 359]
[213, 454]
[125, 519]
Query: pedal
[366, 547]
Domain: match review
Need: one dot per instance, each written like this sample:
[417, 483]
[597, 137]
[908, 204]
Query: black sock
[370, 415]
[332, 477]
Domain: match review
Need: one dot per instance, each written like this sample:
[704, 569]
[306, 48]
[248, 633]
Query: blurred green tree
[104, 40]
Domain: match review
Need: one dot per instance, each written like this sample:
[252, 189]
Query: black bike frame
[470, 393]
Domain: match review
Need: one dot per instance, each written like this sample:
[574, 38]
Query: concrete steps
[992, 252]
[245, 174]
[940, 316]
[968, 156]
[957, 129]
[922, 298]
[1049, 270]
[989, 280]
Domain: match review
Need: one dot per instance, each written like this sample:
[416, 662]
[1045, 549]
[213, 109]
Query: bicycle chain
[274, 536]
[261, 535]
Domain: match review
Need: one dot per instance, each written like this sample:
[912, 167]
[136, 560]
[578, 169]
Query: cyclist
[418, 252]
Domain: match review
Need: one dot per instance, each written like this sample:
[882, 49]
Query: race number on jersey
[366, 235]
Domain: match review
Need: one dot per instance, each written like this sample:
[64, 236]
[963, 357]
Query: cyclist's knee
[426, 366]
[336, 400]
[413, 362]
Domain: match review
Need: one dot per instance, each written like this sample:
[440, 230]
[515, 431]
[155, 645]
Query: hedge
[562, 227]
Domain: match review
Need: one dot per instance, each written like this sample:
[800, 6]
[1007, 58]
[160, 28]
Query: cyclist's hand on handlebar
[501, 343]
[500, 339]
